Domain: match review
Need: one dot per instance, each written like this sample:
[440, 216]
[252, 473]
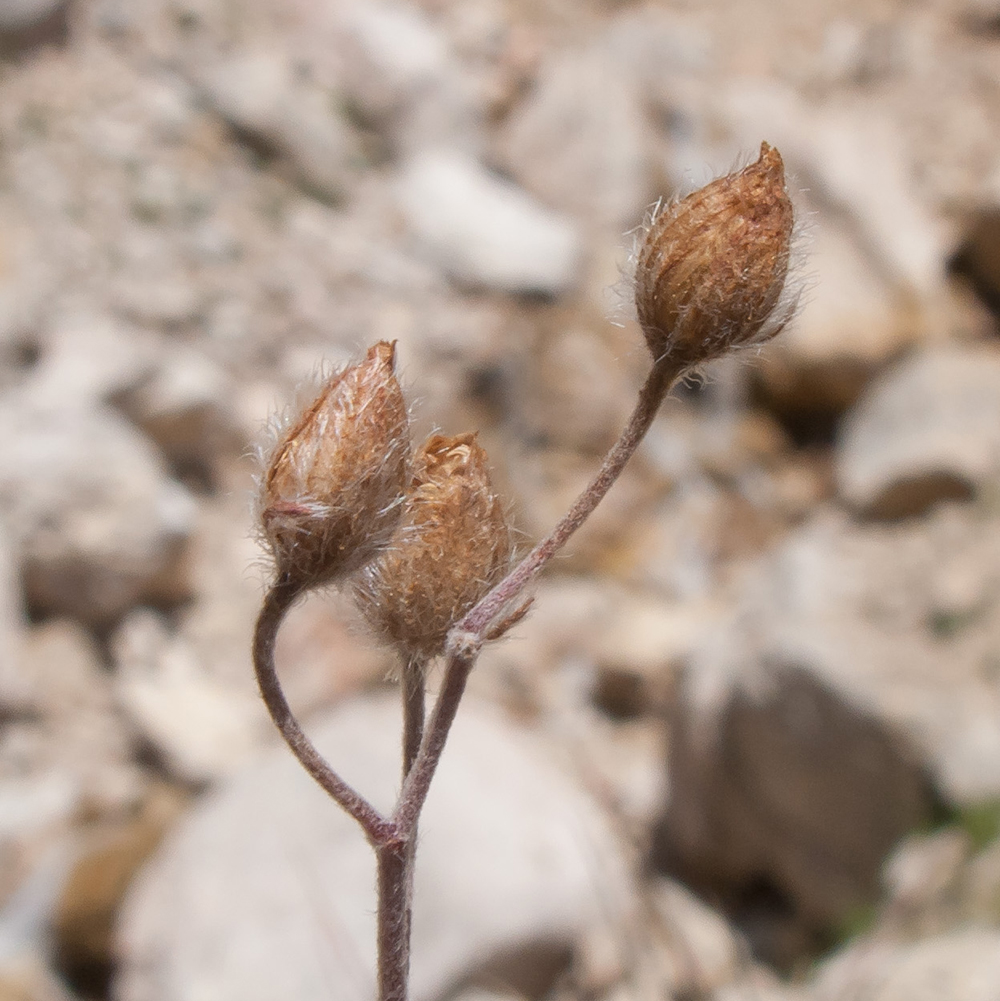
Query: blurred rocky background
[747, 745]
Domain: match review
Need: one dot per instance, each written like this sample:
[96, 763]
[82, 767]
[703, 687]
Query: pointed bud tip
[711, 269]
[332, 492]
[453, 544]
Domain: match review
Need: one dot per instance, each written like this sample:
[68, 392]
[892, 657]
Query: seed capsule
[711, 268]
[332, 494]
[453, 544]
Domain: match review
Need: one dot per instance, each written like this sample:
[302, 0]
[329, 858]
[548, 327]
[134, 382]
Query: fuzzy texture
[711, 269]
[453, 544]
[333, 491]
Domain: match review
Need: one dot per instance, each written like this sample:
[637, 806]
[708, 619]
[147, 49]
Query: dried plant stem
[418, 781]
[661, 377]
[395, 893]
[278, 600]
[413, 710]
[467, 636]
[393, 969]
[394, 838]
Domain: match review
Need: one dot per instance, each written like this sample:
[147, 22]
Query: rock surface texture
[772, 657]
[268, 887]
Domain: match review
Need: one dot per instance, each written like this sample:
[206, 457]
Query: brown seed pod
[711, 268]
[332, 493]
[453, 544]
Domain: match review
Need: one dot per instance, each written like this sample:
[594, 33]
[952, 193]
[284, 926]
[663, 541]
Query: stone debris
[98, 523]
[770, 659]
[927, 431]
[963, 965]
[242, 908]
[484, 231]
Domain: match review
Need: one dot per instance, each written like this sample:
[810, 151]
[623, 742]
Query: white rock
[928, 430]
[97, 523]
[580, 141]
[923, 867]
[963, 965]
[484, 231]
[87, 357]
[702, 951]
[267, 889]
[202, 728]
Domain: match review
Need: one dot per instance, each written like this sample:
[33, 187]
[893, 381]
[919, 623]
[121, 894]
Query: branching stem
[658, 382]
[394, 838]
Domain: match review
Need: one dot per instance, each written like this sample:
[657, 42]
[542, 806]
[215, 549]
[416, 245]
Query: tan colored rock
[927, 431]
[83, 741]
[579, 141]
[29, 978]
[107, 861]
[98, 524]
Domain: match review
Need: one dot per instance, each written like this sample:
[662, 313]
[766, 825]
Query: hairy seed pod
[452, 545]
[711, 268]
[333, 491]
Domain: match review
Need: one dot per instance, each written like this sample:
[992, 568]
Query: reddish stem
[277, 602]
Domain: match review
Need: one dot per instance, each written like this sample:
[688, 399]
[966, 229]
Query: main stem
[395, 890]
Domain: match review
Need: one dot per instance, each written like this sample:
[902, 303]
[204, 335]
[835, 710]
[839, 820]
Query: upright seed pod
[332, 493]
[452, 545]
[711, 269]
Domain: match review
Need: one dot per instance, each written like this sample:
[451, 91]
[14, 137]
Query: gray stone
[267, 888]
[258, 93]
[14, 689]
[399, 72]
[855, 671]
[927, 431]
[97, 523]
[579, 140]
[484, 231]
[183, 404]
